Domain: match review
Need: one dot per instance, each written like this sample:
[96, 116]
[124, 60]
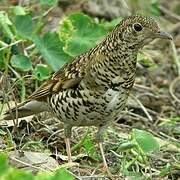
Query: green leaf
[80, 33]
[90, 148]
[62, 174]
[131, 175]
[110, 25]
[4, 18]
[2, 132]
[126, 146]
[24, 26]
[10, 173]
[155, 8]
[172, 125]
[3, 164]
[49, 2]
[165, 170]
[51, 49]
[145, 60]
[18, 10]
[23, 63]
[2, 64]
[6, 23]
[17, 174]
[145, 140]
[41, 72]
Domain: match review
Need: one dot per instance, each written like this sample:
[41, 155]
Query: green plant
[135, 152]
[9, 173]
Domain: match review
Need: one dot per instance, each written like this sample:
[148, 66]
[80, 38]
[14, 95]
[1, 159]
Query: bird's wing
[68, 76]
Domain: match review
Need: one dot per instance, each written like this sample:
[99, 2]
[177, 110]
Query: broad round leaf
[80, 33]
[145, 140]
[18, 10]
[24, 26]
[23, 63]
[51, 49]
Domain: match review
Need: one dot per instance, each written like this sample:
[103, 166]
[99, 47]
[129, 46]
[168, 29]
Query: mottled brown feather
[67, 77]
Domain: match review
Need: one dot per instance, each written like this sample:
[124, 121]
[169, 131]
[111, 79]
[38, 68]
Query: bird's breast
[88, 107]
[115, 101]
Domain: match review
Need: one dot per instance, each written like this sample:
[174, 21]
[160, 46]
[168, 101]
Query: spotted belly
[88, 108]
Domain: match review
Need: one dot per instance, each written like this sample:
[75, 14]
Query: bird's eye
[137, 27]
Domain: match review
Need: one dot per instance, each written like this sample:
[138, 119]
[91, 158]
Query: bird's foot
[105, 169]
[105, 166]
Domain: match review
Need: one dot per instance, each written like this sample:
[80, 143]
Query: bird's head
[137, 31]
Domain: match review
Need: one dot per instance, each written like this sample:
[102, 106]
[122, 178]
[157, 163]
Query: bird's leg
[68, 149]
[100, 139]
[67, 133]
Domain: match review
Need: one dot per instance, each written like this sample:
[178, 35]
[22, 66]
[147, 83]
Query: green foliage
[165, 170]
[132, 175]
[110, 25]
[126, 146]
[140, 145]
[89, 147]
[149, 8]
[80, 33]
[21, 62]
[145, 60]
[15, 174]
[9, 173]
[155, 8]
[3, 164]
[176, 9]
[18, 11]
[41, 72]
[6, 24]
[1, 131]
[51, 48]
[24, 26]
[172, 125]
[49, 2]
[62, 174]
[2, 65]
[145, 141]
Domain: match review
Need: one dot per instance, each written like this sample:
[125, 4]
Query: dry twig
[171, 89]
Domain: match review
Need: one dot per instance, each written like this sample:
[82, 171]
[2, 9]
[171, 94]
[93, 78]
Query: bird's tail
[26, 109]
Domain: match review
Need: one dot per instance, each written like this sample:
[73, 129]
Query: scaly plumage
[93, 88]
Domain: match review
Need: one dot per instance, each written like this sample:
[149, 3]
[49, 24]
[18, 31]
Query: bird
[93, 88]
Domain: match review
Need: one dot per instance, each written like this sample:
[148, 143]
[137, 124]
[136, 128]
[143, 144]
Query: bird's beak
[163, 35]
